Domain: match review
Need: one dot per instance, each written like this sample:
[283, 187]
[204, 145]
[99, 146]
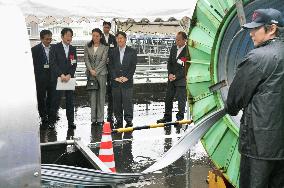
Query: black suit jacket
[126, 69]
[39, 59]
[59, 64]
[111, 40]
[174, 68]
[111, 43]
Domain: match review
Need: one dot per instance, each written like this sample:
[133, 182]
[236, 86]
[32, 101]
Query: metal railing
[150, 67]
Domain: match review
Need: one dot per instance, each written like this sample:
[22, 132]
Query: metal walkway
[82, 176]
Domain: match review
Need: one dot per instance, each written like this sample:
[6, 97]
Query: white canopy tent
[87, 10]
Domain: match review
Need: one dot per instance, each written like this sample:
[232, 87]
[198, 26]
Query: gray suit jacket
[96, 61]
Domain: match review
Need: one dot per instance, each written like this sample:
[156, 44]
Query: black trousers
[44, 91]
[122, 103]
[255, 173]
[109, 97]
[180, 93]
[69, 98]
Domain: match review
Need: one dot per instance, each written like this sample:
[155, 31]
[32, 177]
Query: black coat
[126, 69]
[39, 59]
[175, 68]
[258, 89]
[111, 41]
[59, 64]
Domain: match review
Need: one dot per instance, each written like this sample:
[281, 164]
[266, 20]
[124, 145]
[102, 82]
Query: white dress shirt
[95, 49]
[179, 50]
[46, 50]
[121, 53]
[66, 49]
[106, 37]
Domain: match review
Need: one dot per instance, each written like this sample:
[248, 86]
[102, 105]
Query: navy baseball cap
[262, 17]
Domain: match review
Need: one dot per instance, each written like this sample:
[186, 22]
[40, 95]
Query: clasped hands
[93, 72]
[121, 79]
[65, 78]
[172, 77]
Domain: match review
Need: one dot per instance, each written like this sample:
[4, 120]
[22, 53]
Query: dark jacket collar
[267, 42]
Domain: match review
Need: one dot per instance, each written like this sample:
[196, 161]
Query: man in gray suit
[122, 65]
[177, 69]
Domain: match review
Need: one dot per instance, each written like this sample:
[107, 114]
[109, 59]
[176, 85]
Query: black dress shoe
[70, 134]
[71, 125]
[129, 124]
[164, 120]
[180, 118]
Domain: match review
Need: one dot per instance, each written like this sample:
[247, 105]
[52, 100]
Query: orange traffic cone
[106, 154]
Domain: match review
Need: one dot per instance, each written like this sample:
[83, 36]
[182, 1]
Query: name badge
[73, 61]
[111, 45]
[46, 66]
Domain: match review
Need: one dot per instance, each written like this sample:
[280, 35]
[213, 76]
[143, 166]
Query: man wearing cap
[258, 90]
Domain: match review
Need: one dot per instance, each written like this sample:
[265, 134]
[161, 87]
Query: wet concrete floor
[139, 149]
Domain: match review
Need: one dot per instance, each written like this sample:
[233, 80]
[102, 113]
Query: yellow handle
[157, 125]
[185, 121]
[121, 130]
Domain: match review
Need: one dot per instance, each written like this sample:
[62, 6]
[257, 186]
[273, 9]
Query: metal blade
[187, 141]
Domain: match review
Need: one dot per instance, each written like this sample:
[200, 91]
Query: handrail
[143, 71]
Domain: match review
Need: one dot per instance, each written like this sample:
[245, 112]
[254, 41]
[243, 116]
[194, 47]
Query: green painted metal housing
[209, 22]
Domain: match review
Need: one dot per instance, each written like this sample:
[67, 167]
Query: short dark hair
[121, 33]
[267, 27]
[65, 30]
[102, 40]
[97, 30]
[44, 32]
[107, 23]
[183, 34]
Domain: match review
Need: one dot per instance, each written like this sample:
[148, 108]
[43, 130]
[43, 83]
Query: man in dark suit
[63, 63]
[176, 79]
[110, 41]
[122, 65]
[40, 55]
